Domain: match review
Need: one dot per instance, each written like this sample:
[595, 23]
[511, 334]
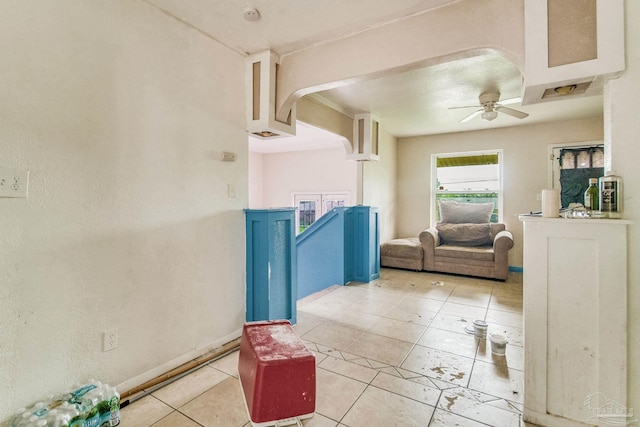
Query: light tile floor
[392, 352]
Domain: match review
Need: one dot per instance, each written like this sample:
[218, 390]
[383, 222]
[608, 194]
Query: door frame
[320, 198]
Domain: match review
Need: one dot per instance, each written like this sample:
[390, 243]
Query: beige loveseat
[484, 261]
[467, 244]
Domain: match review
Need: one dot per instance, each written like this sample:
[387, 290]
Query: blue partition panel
[340, 247]
[271, 264]
[349, 246]
[362, 244]
[321, 254]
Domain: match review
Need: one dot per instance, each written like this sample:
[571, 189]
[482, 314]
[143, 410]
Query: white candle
[550, 203]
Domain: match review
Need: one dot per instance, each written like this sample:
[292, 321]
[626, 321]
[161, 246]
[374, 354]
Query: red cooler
[277, 373]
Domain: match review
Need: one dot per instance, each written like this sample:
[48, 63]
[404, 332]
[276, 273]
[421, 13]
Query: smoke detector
[251, 14]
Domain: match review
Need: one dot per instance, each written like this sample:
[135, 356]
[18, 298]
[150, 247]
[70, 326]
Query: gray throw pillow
[465, 213]
[465, 234]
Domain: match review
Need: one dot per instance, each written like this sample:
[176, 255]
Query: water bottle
[34, 421]
[114, 407]
[20, 418]
[91, 405]
[60, 421]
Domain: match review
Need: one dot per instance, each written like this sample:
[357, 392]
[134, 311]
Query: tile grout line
[414, 345]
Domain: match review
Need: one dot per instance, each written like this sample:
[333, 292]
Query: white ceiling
[307, 138]
[418, 102]
[410, 103]
[286, 26]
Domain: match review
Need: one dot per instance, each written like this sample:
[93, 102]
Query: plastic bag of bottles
[92, 405]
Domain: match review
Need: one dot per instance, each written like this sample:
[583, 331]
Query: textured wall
[255, 180]
[379, 184]
[313, 171]
[621, 140]
[120, 113]
[525, 164]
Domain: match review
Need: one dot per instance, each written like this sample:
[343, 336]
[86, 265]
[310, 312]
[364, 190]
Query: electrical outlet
[110, 339]
[14, 183]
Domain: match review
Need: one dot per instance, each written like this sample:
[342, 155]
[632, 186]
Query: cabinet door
[574, 316]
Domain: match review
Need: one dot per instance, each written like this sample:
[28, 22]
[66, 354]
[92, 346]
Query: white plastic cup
[550, 203]
[480, 329]
[498, 344]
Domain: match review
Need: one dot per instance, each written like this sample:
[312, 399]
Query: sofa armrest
[430, 240]
[501, 245]
[503, 241]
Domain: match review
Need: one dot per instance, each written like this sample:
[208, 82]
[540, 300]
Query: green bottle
[592, 196]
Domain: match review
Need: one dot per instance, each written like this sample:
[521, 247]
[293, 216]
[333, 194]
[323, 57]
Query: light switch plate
[231, 191]
[14, 182]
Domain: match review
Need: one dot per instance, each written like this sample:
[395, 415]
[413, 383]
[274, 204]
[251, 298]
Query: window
[572, 167]
[473, 177]
[313, 206]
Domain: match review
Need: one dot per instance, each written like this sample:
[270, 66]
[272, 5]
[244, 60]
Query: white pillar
[622, 142]
[261, 79]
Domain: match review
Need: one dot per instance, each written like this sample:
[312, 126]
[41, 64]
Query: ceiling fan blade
[472, 116]
[465, 106]
[512, 112]
[516, 100]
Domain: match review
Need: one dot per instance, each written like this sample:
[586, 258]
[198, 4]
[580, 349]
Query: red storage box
[277, 373]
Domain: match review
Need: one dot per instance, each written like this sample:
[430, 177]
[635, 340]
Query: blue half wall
[341, 246]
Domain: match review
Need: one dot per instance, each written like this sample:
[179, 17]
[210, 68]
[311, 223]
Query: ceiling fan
[490, 106]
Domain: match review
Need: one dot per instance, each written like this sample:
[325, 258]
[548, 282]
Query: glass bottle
[611, 195]
[592, 196]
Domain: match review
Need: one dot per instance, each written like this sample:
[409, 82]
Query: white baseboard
[172, 364]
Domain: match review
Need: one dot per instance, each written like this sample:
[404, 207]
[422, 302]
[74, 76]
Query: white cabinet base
[575, 313]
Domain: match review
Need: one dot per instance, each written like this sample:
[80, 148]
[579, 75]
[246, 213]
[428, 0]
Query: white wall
[379, 184]
[120, 113]
[306, 171]
[525, 169]
[622, 103]
[256, 197]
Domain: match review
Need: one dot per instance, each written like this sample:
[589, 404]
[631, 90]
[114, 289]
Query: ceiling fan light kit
[565, 90]
[490, 106]
[489, 115]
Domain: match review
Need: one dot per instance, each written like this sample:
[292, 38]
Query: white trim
[328, 103]
[609, 39]
[610, 61]
[319, 197]
[434, 177]
[172, 364]
[551, 156]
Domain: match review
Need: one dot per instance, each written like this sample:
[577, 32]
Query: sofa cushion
[410, 248]
[478, 253]
[465, 234]
[458, 213]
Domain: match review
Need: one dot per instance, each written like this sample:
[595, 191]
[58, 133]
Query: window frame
[434, 180]
[554, 169]
[320, 198]
[553, 173]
